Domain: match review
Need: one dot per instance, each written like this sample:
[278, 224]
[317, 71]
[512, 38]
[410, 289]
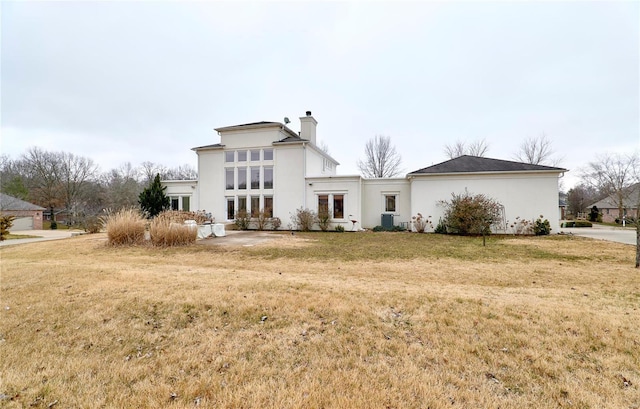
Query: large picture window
[242, 178]
[338, 206]
[268, 177]
[231, 208]
[228, 175]
[323, 203]
[185, 203]
[268, 206]
[255, 178]
[255, 206]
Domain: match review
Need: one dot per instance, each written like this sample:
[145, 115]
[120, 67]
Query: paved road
[43, 235]
[625, 235]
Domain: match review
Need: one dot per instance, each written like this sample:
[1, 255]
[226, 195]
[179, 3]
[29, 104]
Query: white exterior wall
[251, 138]
[316, 163]
[526, 195]
[288, 181]
[373, 199]
[211, 183]
[348, 186]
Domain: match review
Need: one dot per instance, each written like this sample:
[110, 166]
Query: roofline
[280, 125]
[179, 180]
[487, 172]
[208, 147]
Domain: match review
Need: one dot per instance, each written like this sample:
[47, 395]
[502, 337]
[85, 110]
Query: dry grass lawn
[387, 320]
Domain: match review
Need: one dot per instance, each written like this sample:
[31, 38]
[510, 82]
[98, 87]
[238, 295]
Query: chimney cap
[308, 113]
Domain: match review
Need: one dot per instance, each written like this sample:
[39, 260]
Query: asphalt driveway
[625, 235]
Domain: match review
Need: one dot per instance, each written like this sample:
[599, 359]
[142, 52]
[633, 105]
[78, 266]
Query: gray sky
[147, 81]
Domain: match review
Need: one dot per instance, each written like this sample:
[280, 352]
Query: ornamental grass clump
[125, 227]
[165, 233]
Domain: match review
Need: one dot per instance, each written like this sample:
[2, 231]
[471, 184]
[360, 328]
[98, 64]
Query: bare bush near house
[180, 216]
[125, 227]
[164, 233]
[303, 220]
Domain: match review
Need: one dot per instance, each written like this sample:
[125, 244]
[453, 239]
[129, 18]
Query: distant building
[609, 209]
[28, 216]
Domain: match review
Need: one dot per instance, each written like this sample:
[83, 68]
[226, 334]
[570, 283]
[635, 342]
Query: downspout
[304, 178]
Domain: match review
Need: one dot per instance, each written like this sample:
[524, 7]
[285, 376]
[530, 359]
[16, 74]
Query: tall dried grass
[125, 227]
[165, 233]
[180, 216]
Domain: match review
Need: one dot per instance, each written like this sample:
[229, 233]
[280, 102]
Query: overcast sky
[148, 81]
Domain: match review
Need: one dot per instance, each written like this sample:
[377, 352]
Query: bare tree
[537, 150]
[43, 178]
[381, 159]
[121, 187]
[182, 172]
[322, 145]
[149, 171]
[581, 196]
[459, 148]
[76, 174]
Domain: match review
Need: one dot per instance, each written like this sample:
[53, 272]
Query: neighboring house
[266, 166]
[27, 215]
[609, 209]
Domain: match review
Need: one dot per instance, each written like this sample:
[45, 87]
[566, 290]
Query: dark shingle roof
[473, 164]
[13, 203]
[629, 199]
[290, 139]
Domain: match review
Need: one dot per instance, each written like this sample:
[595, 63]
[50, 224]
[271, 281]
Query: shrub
[6, 222]
[152, 199]
[421, 223]
[92, 224]
[275, 223]
[125, 227]
[521, 226]
[378, 228]
[303, 220]
[467, 214]
[165, 233]
[54, 225]
[578, 223]
[339, 228]
[261, 220]
[323, 218]
[593, 214]
[242, 220]
[541, 228]
[441, 228]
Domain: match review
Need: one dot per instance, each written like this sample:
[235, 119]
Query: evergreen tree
[152, 199]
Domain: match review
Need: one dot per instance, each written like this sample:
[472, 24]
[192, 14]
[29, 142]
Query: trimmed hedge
[578, 223]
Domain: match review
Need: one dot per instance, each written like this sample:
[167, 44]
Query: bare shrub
[521, 227]
[275, 223]
[165, 233]
[180, 216]
[323, 218]
[242, 220]
[262, 219]
[125, 227]
[420, 223]
[303, 220]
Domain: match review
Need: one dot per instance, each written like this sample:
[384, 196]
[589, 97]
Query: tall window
[242, 156]
[228, 156]
[323, 203]
[185, 203]
[231, 208]
[268, 177]
[174, 203]
[267, 154]
[255, 206]
[268, 206]
[242, 203]
[242, 178]
[255, 178]
[255, 155]
[228, 175]
[338, 206]
[389, 203]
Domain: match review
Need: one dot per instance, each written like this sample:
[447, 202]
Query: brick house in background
[27, 215]
[608, 206]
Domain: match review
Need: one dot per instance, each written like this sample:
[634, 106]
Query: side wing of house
[386, 196]
[183, 194]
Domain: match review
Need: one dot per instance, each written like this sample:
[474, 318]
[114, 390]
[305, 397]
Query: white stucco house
[266, 165]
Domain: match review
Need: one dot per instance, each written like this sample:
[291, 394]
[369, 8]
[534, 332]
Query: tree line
[65, 181]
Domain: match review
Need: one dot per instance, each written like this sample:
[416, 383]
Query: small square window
[255, 155]
[242, 156]
[390, 203]
[229, 156]
[267, 154]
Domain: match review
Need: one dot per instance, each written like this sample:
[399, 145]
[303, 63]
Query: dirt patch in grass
[321, 320]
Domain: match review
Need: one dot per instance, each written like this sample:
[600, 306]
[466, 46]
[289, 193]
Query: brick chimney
[308, 127]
